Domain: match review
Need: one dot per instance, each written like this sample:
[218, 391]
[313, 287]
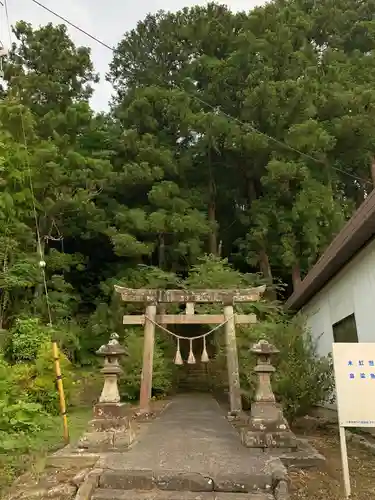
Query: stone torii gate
[155, 300]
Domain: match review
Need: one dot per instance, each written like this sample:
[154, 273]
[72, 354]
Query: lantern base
[267, 428]
[111, 428]
[110, 416]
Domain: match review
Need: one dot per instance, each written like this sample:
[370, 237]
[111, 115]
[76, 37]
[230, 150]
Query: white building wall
[352, 290]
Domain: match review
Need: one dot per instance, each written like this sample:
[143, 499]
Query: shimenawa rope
[191, 358]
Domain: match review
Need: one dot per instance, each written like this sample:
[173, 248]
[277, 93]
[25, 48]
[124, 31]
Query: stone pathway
[191, 435]
[191, 447]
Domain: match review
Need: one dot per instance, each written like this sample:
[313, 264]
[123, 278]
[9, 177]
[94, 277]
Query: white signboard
[354, 365]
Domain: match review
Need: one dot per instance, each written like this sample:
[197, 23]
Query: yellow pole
[60, 388]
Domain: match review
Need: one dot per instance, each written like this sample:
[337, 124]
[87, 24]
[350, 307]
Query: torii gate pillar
[148, 358]
[235, 398]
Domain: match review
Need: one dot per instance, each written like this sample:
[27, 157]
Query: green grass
[30, 455]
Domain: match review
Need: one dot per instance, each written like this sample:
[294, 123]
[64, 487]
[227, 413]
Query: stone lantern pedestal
[111, 426]
[267, 426]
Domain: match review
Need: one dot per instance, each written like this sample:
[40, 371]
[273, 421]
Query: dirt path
[327, 484]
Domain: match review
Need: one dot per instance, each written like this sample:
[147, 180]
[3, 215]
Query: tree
[229, 134]
[55, 170]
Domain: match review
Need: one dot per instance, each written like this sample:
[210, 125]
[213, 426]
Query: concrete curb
[282, 491]
[147, 479]
[306, 457]
[71, 457]
[89, 485]
[280, 479]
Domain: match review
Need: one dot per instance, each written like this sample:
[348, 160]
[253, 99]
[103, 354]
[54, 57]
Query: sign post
[354, 366]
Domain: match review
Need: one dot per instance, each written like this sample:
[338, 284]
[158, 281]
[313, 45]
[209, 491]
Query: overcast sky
[106, 19]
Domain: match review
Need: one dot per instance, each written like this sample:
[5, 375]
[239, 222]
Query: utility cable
[73, 25]
[28, 168]
[42, 263]
[212, 107]
[3, 299]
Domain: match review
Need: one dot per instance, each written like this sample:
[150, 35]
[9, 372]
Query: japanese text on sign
[362, 365]
[354, 365]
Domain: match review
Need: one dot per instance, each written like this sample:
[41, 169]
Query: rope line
[181, 337]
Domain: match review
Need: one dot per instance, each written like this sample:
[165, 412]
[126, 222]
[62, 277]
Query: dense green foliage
[248, 137]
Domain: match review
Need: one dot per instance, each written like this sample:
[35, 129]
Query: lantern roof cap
[264, 347]
[113, 348]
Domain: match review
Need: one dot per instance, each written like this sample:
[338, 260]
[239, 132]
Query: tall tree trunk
[373, 172]
[212, 238]
[296, 277]
[251, 192]
[220, 249]
[161, 251]
[265, 269]
[264, 263]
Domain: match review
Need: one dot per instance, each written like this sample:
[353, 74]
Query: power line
[273, 139]
[7, 240]
[214, 108]
[28, 167]
[74, 25]
[8, 21]
[42, 264]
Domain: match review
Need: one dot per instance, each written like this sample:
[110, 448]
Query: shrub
[25, 339]
[18, 415]
[68, 335]
[303, 379]
[132, 367]
[38, 379]
[29, 346]
[21, 416]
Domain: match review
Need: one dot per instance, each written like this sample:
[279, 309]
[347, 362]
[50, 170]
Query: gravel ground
[327, 484]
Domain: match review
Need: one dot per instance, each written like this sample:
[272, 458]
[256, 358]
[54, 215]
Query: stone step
[109, 494]
[195, 377]
[193, 385]
[168, 480]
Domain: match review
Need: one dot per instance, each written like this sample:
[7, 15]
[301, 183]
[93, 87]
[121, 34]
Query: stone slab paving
[175, 495]
[190, 441]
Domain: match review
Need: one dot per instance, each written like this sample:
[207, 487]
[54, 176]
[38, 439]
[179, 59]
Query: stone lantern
[267, 426]
[111, 426]
[111, 370]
